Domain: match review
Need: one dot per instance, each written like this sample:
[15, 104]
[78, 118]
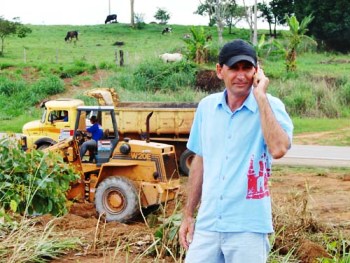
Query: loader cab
[106, 118]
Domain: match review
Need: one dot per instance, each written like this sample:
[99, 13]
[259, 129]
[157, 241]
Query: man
[65, 118]
[96, 134]
[235, 135]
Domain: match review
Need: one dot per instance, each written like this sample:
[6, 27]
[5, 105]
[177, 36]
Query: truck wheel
[117, 198]
[185, 161]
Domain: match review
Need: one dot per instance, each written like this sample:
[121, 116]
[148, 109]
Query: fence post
[121, 54]
[116, 57]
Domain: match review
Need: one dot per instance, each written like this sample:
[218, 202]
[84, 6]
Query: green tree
[207, 8]
[266, 13]
[275, 13]
[234, 14]
[162, 15]
[8, 28]
[221, 13]
[331, 24]
[296, 36]
[281, 9]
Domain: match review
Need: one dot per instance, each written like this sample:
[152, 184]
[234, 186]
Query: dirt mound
[309, 251]
[206, 80]
[85, 210]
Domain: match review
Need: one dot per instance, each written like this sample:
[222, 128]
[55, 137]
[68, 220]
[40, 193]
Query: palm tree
[296, 36]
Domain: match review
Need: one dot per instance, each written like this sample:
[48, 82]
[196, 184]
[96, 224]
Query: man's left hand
[260, 82]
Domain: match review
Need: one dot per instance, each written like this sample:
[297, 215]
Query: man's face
[238, 79]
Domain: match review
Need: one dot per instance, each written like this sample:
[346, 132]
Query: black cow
[111, 18]
[167, 30]
[70, 35]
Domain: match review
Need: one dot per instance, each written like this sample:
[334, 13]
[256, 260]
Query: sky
[92, 12]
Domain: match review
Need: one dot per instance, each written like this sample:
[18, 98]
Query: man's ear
[218, 71]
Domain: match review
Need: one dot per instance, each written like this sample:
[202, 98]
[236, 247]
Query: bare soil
[306, 204]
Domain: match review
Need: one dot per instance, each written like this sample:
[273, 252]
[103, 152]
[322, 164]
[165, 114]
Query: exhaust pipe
[147, 126]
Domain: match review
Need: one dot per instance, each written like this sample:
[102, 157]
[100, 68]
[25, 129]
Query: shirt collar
[249, 103]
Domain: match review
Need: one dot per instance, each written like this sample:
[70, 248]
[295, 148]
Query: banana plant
[197, 45]
[296, 36]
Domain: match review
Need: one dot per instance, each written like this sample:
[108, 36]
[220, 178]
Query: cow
[111, 18]
[167, 30]
[171, 57]
[70, 35]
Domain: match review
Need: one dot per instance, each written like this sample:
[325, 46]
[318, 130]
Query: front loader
[125, 175]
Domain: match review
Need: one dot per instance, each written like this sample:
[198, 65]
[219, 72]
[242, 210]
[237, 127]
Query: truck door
[58, 126]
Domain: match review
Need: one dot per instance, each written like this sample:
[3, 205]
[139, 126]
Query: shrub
[10, 87]
[34, 182]
[77, 68]
[156, 75]
[49, 85]
[345, 94]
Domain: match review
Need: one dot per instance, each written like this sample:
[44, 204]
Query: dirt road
[316, 155]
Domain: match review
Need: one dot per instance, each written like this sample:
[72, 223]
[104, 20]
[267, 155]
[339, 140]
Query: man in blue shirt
[235, 135]
[96, 134]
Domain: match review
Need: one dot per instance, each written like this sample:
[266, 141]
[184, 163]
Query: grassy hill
[43, 64]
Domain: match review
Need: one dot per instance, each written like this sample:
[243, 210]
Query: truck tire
[185, 161]
[117, 198]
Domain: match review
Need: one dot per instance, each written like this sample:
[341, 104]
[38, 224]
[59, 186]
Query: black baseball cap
[235, 51]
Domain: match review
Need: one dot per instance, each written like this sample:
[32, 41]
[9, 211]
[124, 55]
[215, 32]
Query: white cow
[171, 57]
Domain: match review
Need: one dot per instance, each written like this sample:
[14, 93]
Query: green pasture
[317, 95]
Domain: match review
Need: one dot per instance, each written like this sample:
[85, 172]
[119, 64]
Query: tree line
[330, 25]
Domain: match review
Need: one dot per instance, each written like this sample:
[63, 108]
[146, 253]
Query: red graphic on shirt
[257, 183]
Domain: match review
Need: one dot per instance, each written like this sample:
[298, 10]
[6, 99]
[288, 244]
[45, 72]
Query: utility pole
[255, 34]
[109, 7]
[132, 13]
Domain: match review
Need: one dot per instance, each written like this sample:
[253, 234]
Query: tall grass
[23, 242]
[305, 96]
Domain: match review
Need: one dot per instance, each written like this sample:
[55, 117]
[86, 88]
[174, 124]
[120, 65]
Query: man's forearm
[276, 138]
[194, 186]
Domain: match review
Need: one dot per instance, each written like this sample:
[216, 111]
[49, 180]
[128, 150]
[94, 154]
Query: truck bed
[173, 119]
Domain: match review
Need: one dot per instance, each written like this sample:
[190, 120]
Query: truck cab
[57, 123]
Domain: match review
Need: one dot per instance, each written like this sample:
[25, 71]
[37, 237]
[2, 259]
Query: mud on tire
[116, 197]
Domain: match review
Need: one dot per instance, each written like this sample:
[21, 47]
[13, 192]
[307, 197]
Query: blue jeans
[88, 145]
[232, 247]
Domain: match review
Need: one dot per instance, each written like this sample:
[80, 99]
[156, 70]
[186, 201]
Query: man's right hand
[186, 231]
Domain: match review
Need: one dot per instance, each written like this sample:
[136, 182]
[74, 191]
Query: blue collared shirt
[96, 131]
[237, 164]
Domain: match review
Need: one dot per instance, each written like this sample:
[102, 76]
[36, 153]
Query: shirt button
[226, 157]
[223, 178]
[229, 137]
[220, 217]
[221, 197]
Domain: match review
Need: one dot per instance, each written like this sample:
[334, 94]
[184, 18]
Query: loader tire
[44, 146]
[116, 197]
[185, 161]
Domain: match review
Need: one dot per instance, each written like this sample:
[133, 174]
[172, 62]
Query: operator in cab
[96, 134]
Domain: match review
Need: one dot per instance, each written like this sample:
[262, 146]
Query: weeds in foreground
[21, 241]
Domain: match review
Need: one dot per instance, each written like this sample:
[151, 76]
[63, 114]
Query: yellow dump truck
[170, 122]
